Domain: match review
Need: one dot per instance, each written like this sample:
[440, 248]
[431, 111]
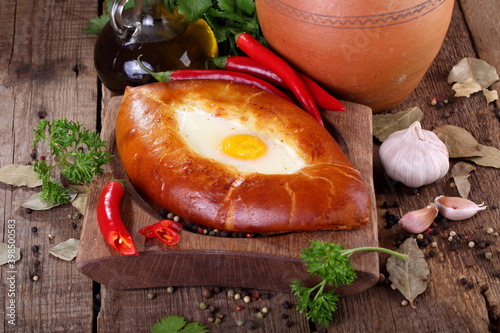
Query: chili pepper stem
[159, 76]
[220, 62]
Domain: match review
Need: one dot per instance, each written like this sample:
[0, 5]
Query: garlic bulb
[457, 208]
[418, 221]
[414, 157]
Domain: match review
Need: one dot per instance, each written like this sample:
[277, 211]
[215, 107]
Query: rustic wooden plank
[186, 302]
[45, 65]
[482, 17]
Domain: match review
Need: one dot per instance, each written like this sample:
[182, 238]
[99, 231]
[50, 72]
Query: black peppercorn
[34, 230]
[250, 324]
[445, 224]
[287, 305]
[42, 114]
[163, 213]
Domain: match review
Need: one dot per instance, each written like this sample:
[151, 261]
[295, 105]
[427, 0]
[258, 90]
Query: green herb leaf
[329, 261]
[177, 324]
[78, 153]
[95, 25]
[193, 9]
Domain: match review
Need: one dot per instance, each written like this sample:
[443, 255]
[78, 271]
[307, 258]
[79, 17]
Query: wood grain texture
[46, 64]
[270, 262]
[486, 36]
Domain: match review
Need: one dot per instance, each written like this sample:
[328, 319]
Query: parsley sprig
[330, 262]
[78, 153]
[227, 18]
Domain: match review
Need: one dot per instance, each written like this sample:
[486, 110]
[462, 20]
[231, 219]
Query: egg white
[204, 132]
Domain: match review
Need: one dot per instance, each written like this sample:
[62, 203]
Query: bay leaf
[9, 255]
[490, 157]
[491, 95]
[476, 69]
[80, 201]
[409, 275]
[461, 172]
[459, 141]
[35, 203]
[386, 124]
[466, 88]
[66, 250]
[19, 175]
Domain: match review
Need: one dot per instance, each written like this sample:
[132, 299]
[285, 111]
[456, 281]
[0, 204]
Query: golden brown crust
[327, 194]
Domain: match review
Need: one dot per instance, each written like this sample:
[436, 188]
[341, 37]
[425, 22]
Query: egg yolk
[243, 146]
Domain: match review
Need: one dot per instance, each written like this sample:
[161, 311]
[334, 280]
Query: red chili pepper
[321, 96]
[109, 219]
[166, 231]
[254, 49]
[250, 66]
[215, 74]
[167, 235]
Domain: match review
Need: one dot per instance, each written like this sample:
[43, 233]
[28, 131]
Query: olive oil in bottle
[164, 40]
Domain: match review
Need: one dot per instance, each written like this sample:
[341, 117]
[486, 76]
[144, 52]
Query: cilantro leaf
[169, 324]
[193, 9]
[246, 6]
[177, 324]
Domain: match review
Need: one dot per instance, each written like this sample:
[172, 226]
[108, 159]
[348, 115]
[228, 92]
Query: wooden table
[46, 66]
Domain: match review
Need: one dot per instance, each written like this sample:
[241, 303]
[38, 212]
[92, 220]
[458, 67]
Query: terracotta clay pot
[372, 52]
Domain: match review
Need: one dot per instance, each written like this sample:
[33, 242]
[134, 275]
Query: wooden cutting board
[266, 263]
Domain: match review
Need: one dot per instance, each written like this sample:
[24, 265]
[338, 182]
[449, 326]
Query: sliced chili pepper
[165, 230]
[254, 49]
[215, 74]
[167, 235]
[109, 219]
[249, 66]
[148, 231]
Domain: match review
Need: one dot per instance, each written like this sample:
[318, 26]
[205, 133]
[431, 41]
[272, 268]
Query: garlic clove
[418, 221]
[414, 156]
[457, 208]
